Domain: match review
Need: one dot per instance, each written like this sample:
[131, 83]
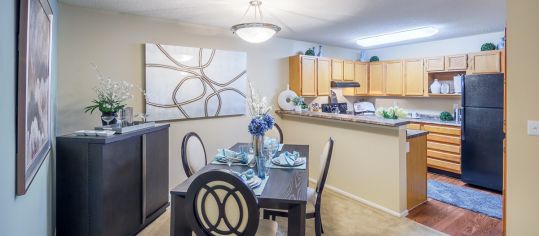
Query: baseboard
[362, 200]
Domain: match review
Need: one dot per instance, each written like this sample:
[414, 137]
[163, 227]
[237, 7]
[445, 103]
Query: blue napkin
[288, 158]
[223, 154]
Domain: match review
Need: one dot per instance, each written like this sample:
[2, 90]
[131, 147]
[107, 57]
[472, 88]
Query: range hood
[344, 84]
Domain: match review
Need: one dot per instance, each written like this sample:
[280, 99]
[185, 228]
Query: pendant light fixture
[257, 31]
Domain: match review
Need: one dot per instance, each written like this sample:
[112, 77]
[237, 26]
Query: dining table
[286, 189]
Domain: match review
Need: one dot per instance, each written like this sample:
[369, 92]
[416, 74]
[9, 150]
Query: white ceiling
[331, 22]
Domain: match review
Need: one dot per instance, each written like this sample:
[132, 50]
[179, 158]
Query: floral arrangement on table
[112, 95]
[259, 108]
[391, 112]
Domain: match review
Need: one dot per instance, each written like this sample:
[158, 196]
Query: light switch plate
[533, 127]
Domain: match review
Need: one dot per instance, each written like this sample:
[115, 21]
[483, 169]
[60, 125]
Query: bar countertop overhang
[370, 120]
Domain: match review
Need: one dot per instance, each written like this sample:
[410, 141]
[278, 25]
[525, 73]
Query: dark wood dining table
[286, 189]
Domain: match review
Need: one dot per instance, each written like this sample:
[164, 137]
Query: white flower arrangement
[111, 94]
[257, 106]
[391, 112]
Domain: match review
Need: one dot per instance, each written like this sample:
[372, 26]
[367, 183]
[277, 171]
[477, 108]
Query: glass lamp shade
[255, 32]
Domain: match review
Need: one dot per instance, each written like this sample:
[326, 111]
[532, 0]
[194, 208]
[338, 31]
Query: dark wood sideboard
[111, 186]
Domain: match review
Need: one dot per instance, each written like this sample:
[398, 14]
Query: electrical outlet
[533, 127]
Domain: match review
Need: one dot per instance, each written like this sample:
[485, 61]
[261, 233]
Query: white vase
[435, 87]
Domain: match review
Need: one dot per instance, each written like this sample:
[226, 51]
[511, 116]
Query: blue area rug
[473, 200]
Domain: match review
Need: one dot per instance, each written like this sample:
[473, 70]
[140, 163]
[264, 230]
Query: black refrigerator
[482, 126]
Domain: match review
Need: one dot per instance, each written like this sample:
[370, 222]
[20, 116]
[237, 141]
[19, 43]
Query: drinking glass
[107, 119]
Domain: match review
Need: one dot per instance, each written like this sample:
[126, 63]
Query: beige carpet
[340, 216]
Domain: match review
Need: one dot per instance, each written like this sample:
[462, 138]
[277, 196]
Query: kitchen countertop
[372, 120]
[434, 121]
[410, 133]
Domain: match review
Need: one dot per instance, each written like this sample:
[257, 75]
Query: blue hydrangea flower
[260, 125]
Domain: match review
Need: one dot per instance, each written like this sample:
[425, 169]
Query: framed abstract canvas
[33, 90]
[188, 82]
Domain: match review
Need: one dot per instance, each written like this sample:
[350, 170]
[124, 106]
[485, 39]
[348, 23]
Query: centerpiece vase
[258, 147]
[112, 122]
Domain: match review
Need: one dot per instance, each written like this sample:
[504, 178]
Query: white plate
[80, 133]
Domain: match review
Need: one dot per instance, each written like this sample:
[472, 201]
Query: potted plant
[111, 98]
[298, 102]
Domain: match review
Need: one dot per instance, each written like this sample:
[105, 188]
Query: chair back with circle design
[193, 153]
[220, 203]
[276, 132]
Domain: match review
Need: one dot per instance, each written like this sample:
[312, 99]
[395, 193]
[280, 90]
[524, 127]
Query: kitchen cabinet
[303, 75]
[361, 75]
[416, 172]
[111, 185]
[456, 62]
[337, 69]
[323, 76]
[376, 78]
[413, 77]
[348, 70]
[393, 77]
[433, 64]
[443, 146]
[484, 62]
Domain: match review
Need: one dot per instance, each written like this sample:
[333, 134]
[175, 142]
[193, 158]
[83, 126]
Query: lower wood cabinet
[111, 186]
[443, 146]
[416, 171]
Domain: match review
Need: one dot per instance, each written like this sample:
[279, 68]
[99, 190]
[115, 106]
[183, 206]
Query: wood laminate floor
[454, 220]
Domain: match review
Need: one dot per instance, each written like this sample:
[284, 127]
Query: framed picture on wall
[34, 138]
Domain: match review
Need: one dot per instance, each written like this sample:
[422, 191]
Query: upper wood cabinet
[337, 69]
[456, 62]
[484, 62]
[303, 75]
[323, 76]
[393, 77]
[348, 70]
[435, 64]
[361, 75]
[413, 77]
[376, 78]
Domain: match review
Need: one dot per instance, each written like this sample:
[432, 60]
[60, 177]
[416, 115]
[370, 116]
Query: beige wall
[368, 163]
[114, 42]
[522, 99]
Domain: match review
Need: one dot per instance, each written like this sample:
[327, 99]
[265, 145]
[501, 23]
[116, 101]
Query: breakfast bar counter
[369, 156]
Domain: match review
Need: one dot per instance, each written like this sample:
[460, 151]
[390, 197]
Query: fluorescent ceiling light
[397, 37]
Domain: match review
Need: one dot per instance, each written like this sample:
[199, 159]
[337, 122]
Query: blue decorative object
[467, 198]
[501, 44]
[260, 166]
[259, 125]
[319, 51]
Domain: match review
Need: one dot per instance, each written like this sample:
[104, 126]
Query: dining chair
[220, 203]
[193, 153]
[313, 209]
[276, 132]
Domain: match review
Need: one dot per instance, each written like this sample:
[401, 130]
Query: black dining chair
[276, 132]
[193, 153]
[314, 195]
[220, 203]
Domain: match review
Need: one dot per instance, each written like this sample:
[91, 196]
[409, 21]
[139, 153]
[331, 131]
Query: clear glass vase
[258, 146]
